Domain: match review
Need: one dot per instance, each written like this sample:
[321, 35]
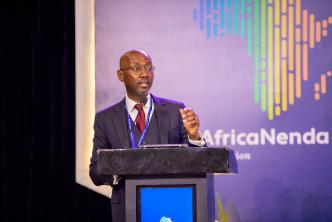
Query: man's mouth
[144, 84]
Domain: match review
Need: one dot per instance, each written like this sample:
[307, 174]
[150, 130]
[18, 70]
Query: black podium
[167, 183]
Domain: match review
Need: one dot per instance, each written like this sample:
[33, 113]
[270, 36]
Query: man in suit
[140, 118]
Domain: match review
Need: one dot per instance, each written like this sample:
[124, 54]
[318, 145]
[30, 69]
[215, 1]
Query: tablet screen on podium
[166, 203]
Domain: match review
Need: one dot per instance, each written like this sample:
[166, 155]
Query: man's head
[136, 72]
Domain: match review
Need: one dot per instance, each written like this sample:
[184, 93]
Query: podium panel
[196, 204]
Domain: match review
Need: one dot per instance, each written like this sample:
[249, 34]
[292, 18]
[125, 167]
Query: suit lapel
[162, 117]
[120, 124]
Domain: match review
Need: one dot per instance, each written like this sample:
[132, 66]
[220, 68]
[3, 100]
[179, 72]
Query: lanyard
[132, 137]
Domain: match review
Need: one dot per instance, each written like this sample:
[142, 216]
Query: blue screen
[166, 204]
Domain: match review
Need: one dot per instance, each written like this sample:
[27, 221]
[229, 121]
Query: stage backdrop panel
[257, 72]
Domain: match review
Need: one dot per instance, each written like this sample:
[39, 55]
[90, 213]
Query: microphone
[144, 100]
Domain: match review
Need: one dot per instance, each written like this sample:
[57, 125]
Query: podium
[168, 184]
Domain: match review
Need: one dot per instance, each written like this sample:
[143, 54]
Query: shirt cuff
[200, 142]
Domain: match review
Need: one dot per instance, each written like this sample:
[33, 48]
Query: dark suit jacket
[110, 130]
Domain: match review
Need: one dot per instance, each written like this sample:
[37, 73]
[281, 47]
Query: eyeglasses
[138, 68]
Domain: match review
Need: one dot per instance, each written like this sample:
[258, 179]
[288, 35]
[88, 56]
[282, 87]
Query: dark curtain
[38, 116]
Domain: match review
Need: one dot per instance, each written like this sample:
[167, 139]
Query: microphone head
[144, 100]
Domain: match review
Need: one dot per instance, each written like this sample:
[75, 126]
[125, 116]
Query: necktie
[140, 119]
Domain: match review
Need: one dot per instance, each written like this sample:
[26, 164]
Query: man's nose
[144, 73]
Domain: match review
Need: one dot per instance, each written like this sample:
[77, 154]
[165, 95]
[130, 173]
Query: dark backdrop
[38, 116]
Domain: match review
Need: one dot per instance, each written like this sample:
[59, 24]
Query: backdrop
[257, 72]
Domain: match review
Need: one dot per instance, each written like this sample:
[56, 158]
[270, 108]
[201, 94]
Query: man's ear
[120, 75]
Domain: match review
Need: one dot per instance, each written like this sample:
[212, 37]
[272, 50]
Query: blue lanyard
[132, 137]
